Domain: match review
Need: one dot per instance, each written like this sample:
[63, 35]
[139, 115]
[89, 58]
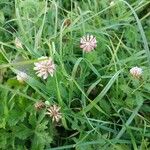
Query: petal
[45, 76]
[82, 40]
[51, 74]
[88, 37]
[91, 37]
[36, 68]
[40, 74]
[43, 57]
[82, 46]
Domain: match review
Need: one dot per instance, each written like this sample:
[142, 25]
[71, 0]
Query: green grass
[103, 107]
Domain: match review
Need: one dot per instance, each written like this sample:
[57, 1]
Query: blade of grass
[132, 139]
[73, 80]
[128, 122]
[60, 101]
[39, 33]
[93, 86]
[103, 92]
[87, 143]
[94, 104]
[17, 92]
[147, 51]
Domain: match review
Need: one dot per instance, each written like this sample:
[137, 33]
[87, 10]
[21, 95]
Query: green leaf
[22, 132]
[2, 122]
[120, 147]
[32, 119]
[3, 139]
[2, 18]
[93, 57]
[15, 116]
[41, 136]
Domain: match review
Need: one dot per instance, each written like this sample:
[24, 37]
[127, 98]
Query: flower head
[44, 67]
[53, 111]
[88, 43]
[136, 72]
[39, 105]
[112, 3]
[18, 43]
[21, 76]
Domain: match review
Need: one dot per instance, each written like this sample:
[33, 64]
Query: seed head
[39, 105]
[67, 22]
[18, 43]
[44, 67]
[54, 113]
[88, 43]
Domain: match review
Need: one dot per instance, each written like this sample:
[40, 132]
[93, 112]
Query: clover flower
[21, 76]
[39, 105]
[112, 3]
[18, 43]
[44, 67]
[136, 72]
[54, 113]
[88, 43]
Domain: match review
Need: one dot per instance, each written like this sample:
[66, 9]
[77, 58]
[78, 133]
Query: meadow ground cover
[74, 74]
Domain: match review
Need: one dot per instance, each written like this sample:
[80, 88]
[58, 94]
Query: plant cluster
[74, 74]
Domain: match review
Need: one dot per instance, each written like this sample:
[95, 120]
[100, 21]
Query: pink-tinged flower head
[44, 67]
[21, 77]
[53, 111]
[88, 43]
[136, 72]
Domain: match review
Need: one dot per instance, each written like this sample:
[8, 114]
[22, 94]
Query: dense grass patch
[89, 100]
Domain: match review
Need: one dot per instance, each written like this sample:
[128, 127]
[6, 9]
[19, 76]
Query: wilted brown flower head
[39, 105]
[54, 113]
[44, 67]
[88, 43]
[67, 22]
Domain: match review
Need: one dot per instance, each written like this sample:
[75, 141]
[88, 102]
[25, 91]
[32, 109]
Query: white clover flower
[53, 111]
[18, 43]
[88, 43]
[44, 67]
[112, 3]
[21, 76]
[136, 72]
